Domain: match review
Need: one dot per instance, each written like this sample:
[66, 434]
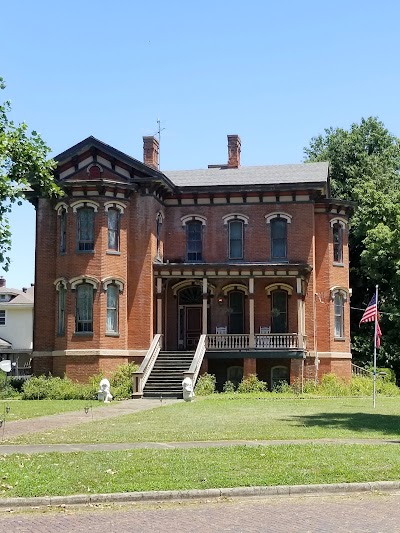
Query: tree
[364, 167]
[24, 166]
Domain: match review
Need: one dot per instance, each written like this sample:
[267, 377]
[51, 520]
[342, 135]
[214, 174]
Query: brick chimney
[2, 282]
[150, 151]
[234, 151]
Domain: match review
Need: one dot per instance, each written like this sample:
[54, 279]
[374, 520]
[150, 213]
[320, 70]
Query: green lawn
[221, 418]
[143, 470]
[22, 409]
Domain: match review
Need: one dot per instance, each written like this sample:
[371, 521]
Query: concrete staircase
[166, 377]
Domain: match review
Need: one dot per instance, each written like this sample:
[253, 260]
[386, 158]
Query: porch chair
[221, 330]
[263, 342]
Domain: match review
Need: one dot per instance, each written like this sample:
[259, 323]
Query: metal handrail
[141, 376]
[360, 371]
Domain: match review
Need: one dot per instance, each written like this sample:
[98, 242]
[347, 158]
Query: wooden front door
[193, 329]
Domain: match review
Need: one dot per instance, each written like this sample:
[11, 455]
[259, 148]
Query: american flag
[370, 315]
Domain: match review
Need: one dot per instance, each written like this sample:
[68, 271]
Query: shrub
[121, 381]
[251, 383]
[390, 374]
[229, 387]
[205, 385]
[283, 387]
[53, 388]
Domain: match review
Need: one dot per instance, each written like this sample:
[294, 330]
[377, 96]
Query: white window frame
[3, 317]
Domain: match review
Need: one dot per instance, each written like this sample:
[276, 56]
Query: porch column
[300, 312]
[159, 305]
[251, 313]
[205, 303]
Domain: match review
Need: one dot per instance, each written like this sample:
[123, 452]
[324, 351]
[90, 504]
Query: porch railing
[141, 376]
[359, 371]
[194, 369]
[270, 341]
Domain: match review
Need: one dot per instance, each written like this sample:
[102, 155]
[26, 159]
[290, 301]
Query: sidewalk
[72, 418]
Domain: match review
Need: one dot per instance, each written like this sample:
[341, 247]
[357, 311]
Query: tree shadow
[357, 422]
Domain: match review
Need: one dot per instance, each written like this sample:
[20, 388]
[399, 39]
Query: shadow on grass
[357, 422]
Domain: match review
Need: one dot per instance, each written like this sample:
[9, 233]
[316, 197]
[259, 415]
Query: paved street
[334, 514]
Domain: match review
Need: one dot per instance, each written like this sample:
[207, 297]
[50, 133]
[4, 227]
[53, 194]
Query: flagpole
[376, 331]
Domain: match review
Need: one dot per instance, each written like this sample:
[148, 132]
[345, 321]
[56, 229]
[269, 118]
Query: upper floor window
[85, 229]
[337, 230]
[339, 314]
[63, 230]
[2, 318]
[113, 216]
[236, 239]
[159, 221]
[279, 239]
[194, 241]
[84, 308]
[112, 308]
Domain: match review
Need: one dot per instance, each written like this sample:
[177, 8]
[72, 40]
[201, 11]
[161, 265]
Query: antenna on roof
[160, 129]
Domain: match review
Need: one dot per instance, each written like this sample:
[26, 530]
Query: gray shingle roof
[263, 175]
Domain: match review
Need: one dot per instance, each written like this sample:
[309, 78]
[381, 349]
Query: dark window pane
[194, 241]
[278, 238]
[84, 308]
[236, 240]
[337, 243]
[279, 312]
[236, 312]
[85, 229]
[113, 229]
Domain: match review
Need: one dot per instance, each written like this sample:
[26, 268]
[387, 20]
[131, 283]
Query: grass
[144, 470]
[23, 409]
[220, 418]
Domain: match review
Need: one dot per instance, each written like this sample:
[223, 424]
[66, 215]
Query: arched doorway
[190, 317]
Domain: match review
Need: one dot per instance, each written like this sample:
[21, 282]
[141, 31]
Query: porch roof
[221, 270]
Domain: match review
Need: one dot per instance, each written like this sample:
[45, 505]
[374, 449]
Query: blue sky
[276, 73]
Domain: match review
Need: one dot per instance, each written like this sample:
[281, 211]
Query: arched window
[235, 239]
[85, 229]
[337, 231]
[61, 298]
[113, 220]
[112, 308]
[84, 308]
[63, 230]
[279, 239]
[279, 375]
[236, 312]
[194, 241]
[338, 301]
[279, 311]
[159, 221]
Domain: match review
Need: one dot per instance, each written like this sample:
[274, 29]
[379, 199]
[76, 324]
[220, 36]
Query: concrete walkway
[72, 418]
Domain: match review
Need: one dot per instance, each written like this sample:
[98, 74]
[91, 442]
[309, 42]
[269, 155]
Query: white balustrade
[227, 342]
[270, 341]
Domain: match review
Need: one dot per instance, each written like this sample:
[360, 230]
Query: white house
[16, 327]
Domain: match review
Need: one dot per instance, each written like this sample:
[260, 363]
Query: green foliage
[205, 385]
[121, 381]
[283, 387]
[53, 388]
[390, 374]
[251, 383]
[23, 166]
[229, 387]
[364, 167]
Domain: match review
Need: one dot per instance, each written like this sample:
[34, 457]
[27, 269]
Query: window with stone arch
[114, 211]
[338, 226]
[84, 308]
[85, 216]
[194, 237]
[279, 376]
[236, 224]
[61, 287]
[112, 288]
[339, 297]
[159, 221]
[62, 210]
[278, 223]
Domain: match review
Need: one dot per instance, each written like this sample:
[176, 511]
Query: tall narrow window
[63, 231]
[113, 229]
[112, 309]
[339, 315]
[84, 308]
[85, 228]
[279, 311]
[279, 239]
[236, 239]
[337, 243]
[194, 241]
[61, 309]
[158, 235]
[236, 312]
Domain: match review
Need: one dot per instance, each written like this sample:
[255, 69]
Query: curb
[8, 504]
